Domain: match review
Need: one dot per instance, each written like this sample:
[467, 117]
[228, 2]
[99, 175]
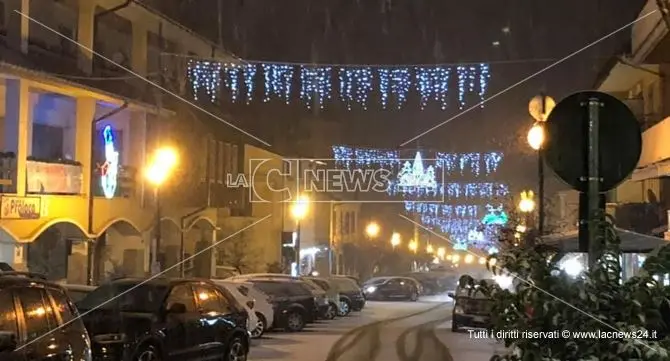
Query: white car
[248, 304]
[256, 302]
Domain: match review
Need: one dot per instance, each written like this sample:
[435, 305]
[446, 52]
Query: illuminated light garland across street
[356, 86]
[464, 211]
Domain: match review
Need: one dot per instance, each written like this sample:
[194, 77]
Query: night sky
[425, 32]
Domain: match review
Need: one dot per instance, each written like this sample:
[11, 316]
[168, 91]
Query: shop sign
[53, 178]
[20, 207]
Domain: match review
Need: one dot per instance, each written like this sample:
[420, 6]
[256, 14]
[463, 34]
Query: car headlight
[370, 289]
[458, 310]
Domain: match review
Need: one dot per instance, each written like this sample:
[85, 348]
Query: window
[181, 294]
[394, 282]
[129, 297]
[323, 284]
[212, 160]
[299, 289]
[220, 170]
[233, 159]
[47, 142]
[211, 300]
[276, 289]
[39, 315]
[7, 312]
[63, 305]
[203, 162]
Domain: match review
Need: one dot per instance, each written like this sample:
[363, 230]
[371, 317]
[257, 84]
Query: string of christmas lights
[462, 210]
[450, 191]
[446, 164]
[356, 86]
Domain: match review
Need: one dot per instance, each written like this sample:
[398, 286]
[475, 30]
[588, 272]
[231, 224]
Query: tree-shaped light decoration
[414, 178]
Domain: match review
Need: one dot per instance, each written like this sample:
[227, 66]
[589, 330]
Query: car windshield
[77, 295]
[272, 288]
[321, 283]
[345, 284]
[127, 297]
[376, 281]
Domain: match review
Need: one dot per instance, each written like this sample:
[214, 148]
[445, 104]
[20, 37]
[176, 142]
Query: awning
[631, 242]
[651, 171]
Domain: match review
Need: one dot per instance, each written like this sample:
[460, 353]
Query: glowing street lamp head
[372, 230]
[300, 207]
[395, 239]
[413, 246]
[527, 203]
[156, 175]
[536, 136]
[429, 249]
[163, 162]
[166, 157]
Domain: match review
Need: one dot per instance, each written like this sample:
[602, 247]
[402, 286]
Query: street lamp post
[527, 205]
[299, 211]
[539, 108]
[162, 164]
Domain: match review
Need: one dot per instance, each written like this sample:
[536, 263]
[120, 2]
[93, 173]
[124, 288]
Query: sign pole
[594, 181]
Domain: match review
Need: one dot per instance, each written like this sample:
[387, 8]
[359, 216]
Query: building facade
[639, 78]
[81, 119]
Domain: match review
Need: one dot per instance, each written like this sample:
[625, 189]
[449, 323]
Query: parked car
[77, 292]
[430, 283]
[263, 307]
[351, 297]
[32, 308]
[332, 295]
[391, 288]
[255, 327]
[164, 318]
[294, 304]
[471, 309]
[324, 310]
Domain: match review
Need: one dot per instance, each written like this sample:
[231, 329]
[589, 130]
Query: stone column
[85, 112]
[18, 128]
[85, 27]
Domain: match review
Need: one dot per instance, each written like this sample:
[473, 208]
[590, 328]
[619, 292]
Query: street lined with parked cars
[161, 318]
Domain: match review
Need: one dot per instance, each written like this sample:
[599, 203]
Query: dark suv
[351, 296]
[38, 321]
[163, 319]
[293, 303]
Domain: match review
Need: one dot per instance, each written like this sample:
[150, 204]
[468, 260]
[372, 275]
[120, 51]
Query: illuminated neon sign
[495, 216]
[110, 169]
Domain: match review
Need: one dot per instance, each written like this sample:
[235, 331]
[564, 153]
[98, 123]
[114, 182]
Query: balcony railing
[646, 119]
[61, 62]
[61, 177]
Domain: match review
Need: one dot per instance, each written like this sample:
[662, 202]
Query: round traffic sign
[566, 143]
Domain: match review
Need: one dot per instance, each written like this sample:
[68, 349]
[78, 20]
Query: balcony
[61, 62]
[650, 42]
[54, 177]
[646, 120]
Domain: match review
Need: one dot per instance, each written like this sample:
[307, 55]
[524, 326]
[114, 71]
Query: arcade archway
[60, 252]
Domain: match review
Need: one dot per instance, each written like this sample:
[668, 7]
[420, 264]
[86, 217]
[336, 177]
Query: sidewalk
[466, 348]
